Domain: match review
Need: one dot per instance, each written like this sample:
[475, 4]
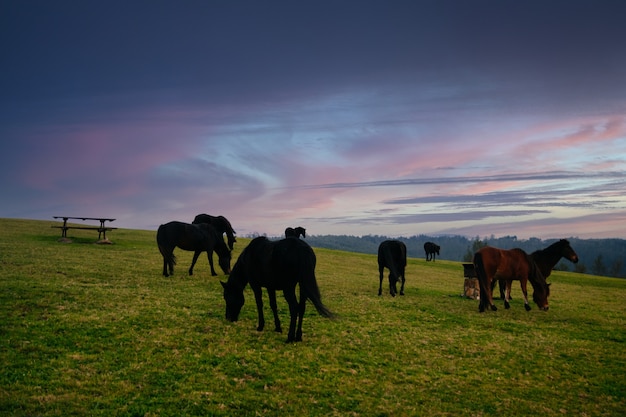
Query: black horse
[295, 232]
[431, 250]
[392, 255]
[192, 237]
[221, 224]
[546, 259]
[277, 266]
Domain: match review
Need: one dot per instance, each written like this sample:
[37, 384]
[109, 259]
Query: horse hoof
[402, 293]
[507, 305]
[527, 307]
[494, 308]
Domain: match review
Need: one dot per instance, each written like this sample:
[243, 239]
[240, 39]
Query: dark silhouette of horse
[295, 232]
[546, 259]
[392, 255]
[493, 264]
[191, 237]
[277, 266]
[221, 224]
[431, 250]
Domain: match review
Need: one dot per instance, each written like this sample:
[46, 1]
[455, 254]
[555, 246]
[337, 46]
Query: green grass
[96, 330]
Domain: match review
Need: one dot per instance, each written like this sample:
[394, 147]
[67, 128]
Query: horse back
[291, 261]
[392, 254]
[503, 263]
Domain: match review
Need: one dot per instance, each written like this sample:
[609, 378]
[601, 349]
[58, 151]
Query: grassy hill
[96, 330]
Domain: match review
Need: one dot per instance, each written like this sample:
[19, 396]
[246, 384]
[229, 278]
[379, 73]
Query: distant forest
[603, 257]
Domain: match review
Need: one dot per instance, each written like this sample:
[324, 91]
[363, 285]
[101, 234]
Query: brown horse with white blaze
[493, 264]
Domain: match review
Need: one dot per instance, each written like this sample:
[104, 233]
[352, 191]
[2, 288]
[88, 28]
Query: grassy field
[96, 330]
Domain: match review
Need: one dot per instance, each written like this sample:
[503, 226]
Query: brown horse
[546, 259]
[493, 264]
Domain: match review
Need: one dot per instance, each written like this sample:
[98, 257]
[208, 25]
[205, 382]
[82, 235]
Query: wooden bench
[102, 229]
[469, 271]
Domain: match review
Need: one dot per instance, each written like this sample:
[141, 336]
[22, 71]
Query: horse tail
[390, 261]
[479, 268]
[164, 246]
[308, 283]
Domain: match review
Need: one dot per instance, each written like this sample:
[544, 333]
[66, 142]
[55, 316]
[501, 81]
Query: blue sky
[354, 117]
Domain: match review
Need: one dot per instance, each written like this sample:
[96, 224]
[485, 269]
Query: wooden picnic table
[102, 229]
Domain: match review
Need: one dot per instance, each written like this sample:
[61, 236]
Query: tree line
[603, 257]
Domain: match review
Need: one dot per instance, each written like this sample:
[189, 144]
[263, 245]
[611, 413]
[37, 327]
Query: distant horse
[546, 259]
[191, 237]
[277, 266]
[431, 249]
[295, 232]
[493, 264]
[392, 255]
[221, 224]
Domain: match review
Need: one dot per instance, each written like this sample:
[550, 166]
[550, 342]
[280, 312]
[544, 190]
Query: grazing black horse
[546, 259]
[392, 255]
[295, 232]
[277, 266]
[431, 249]
[221, 224]
[192, 237]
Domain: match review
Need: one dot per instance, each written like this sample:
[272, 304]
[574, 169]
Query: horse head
[567, 252]
[224, 261]
[234, 301]
[540, 296]
[541, 289]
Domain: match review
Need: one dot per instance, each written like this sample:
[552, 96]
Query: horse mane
[229, 228]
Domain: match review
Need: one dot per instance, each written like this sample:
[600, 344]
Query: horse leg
[258, 296]
[502, 287]
[302, 308]
[210, 255]
[290, 296]
[272, 295]
[523, 282]
[168, 260]
[402, 285]
[489, 300]
[380, 286]
[507, 294]
[165, 274]
[393, 289]
[193, 262]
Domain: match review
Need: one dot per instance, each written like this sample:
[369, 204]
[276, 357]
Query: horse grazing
[192, 237]
[221, 224]
[392, 255]
[277, 266]
[295, 232]
[546, 259]
[493, 264]
[431, 250]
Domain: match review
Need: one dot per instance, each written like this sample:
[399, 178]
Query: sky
[394, 118]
